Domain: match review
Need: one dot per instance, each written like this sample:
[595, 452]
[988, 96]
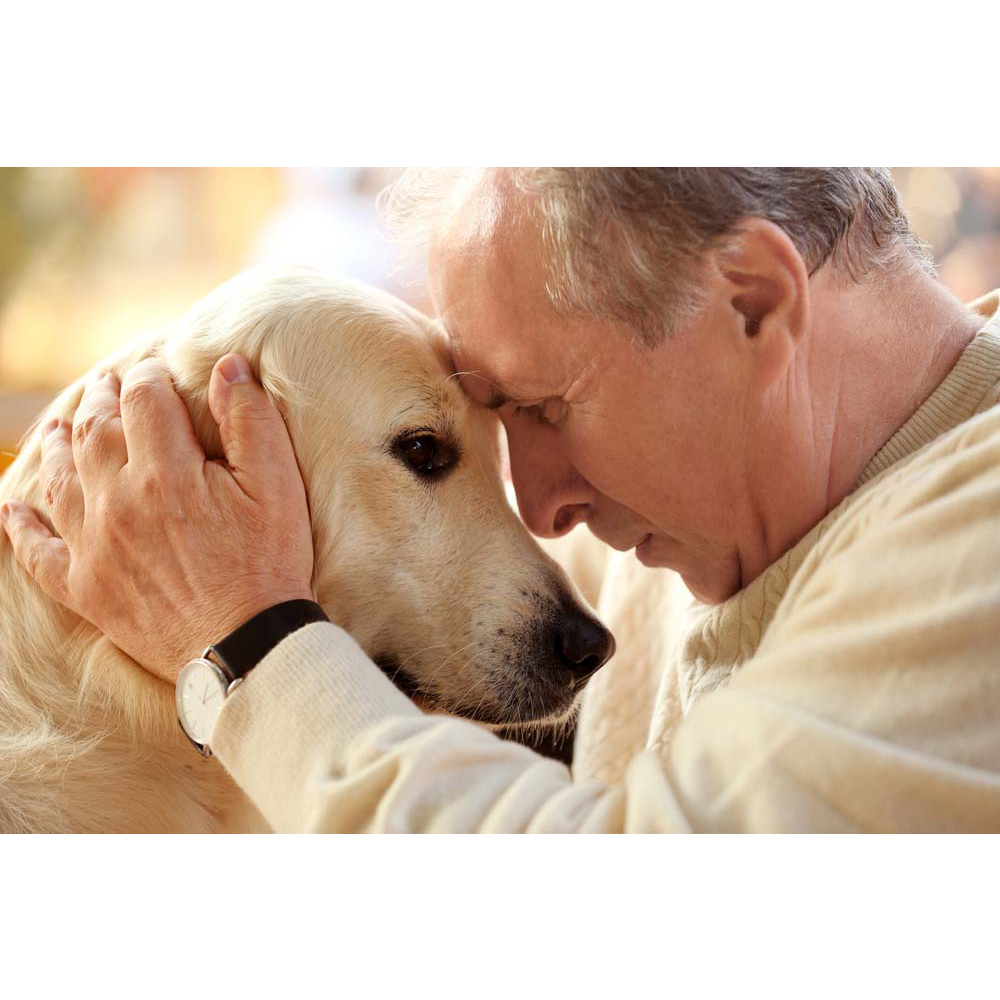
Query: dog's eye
[425, 454]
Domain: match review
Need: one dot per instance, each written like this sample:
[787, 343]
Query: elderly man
[750, 377]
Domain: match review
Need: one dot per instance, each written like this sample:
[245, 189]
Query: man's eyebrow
[498, 396]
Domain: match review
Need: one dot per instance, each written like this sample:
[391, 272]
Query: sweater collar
[956, 399]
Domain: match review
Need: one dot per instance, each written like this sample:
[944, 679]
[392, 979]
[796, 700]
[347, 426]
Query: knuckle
[138, 393]
[156, 485]
[34, 561]
[56, 488]
[88, 430]
[53, 491]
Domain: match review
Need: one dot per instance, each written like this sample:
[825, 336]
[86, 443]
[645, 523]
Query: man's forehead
[466, 232]
[473, 212]
[488, 285]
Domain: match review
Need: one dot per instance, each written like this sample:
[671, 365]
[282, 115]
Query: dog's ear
[191, 367]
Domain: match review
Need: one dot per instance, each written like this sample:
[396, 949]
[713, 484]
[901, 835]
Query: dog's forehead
[421, 343]
[361, 350]
[419, 366]
[389, 364]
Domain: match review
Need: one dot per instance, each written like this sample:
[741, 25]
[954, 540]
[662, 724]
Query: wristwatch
[204, 683]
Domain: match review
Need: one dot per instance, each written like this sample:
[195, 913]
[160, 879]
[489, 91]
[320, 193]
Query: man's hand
[164, 551]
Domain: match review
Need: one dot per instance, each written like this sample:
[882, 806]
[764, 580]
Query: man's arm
[321, 741]
[874, 702]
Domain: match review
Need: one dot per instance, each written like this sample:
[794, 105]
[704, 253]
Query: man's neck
[869, 360]
[891, 347]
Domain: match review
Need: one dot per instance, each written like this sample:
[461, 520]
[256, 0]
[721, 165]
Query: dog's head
[418, 553]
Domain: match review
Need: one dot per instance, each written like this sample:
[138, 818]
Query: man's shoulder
[919, 534]
[967, 454]
[950, 470]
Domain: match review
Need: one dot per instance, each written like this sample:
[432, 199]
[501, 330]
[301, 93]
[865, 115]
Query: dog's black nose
[583, 644]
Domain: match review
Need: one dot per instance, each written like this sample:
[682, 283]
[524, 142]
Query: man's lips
[619, 545]
[625, 546]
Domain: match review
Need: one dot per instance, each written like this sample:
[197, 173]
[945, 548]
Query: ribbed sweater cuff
[301, 708]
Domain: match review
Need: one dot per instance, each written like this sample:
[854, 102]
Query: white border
[719, 83]
[501, 916]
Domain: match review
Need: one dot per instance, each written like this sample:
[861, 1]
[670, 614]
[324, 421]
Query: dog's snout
[583, 644]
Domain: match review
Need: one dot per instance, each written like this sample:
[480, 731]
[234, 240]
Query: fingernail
[235, 369]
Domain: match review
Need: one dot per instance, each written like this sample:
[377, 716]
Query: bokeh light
[89, 258]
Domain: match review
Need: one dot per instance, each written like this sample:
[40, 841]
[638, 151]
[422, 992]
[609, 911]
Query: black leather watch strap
[253, 640]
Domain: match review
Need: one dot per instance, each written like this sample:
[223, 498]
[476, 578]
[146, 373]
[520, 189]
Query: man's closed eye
[551, 411]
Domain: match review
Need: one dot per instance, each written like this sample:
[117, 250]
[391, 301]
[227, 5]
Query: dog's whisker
[420, 652]
[427, 685]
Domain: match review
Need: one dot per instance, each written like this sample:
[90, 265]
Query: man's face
[644, 446]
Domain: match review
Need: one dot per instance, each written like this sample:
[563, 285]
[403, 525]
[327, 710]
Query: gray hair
[627, 243]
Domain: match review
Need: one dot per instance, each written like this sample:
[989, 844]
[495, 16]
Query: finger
[42, 554]
[98, 439]
[255, 440]
[158, 432]
[60, 482]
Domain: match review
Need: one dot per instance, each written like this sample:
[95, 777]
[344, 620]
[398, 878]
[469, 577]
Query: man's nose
[552, 497]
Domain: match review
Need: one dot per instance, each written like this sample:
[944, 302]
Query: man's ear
[769, 290]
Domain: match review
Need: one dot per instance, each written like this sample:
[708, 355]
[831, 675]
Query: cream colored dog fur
[436, 578]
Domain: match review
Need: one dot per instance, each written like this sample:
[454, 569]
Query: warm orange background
[91, 257]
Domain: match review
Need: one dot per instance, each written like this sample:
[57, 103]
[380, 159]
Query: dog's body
[420, 558]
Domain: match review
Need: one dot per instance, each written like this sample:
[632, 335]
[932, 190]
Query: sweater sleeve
[321, 741]
[873, 704]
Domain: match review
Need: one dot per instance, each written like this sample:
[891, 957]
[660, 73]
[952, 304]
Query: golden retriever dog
[418, 555]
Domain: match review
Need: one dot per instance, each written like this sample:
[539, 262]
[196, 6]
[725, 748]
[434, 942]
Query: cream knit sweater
[854, 685]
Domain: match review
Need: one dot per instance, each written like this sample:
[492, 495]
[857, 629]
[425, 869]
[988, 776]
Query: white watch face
[201, 689]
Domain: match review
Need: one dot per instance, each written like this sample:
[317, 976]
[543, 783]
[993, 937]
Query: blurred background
[91, 257]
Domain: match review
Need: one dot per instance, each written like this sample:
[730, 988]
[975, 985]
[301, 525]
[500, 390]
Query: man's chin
[655, 552]
[645, 553]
